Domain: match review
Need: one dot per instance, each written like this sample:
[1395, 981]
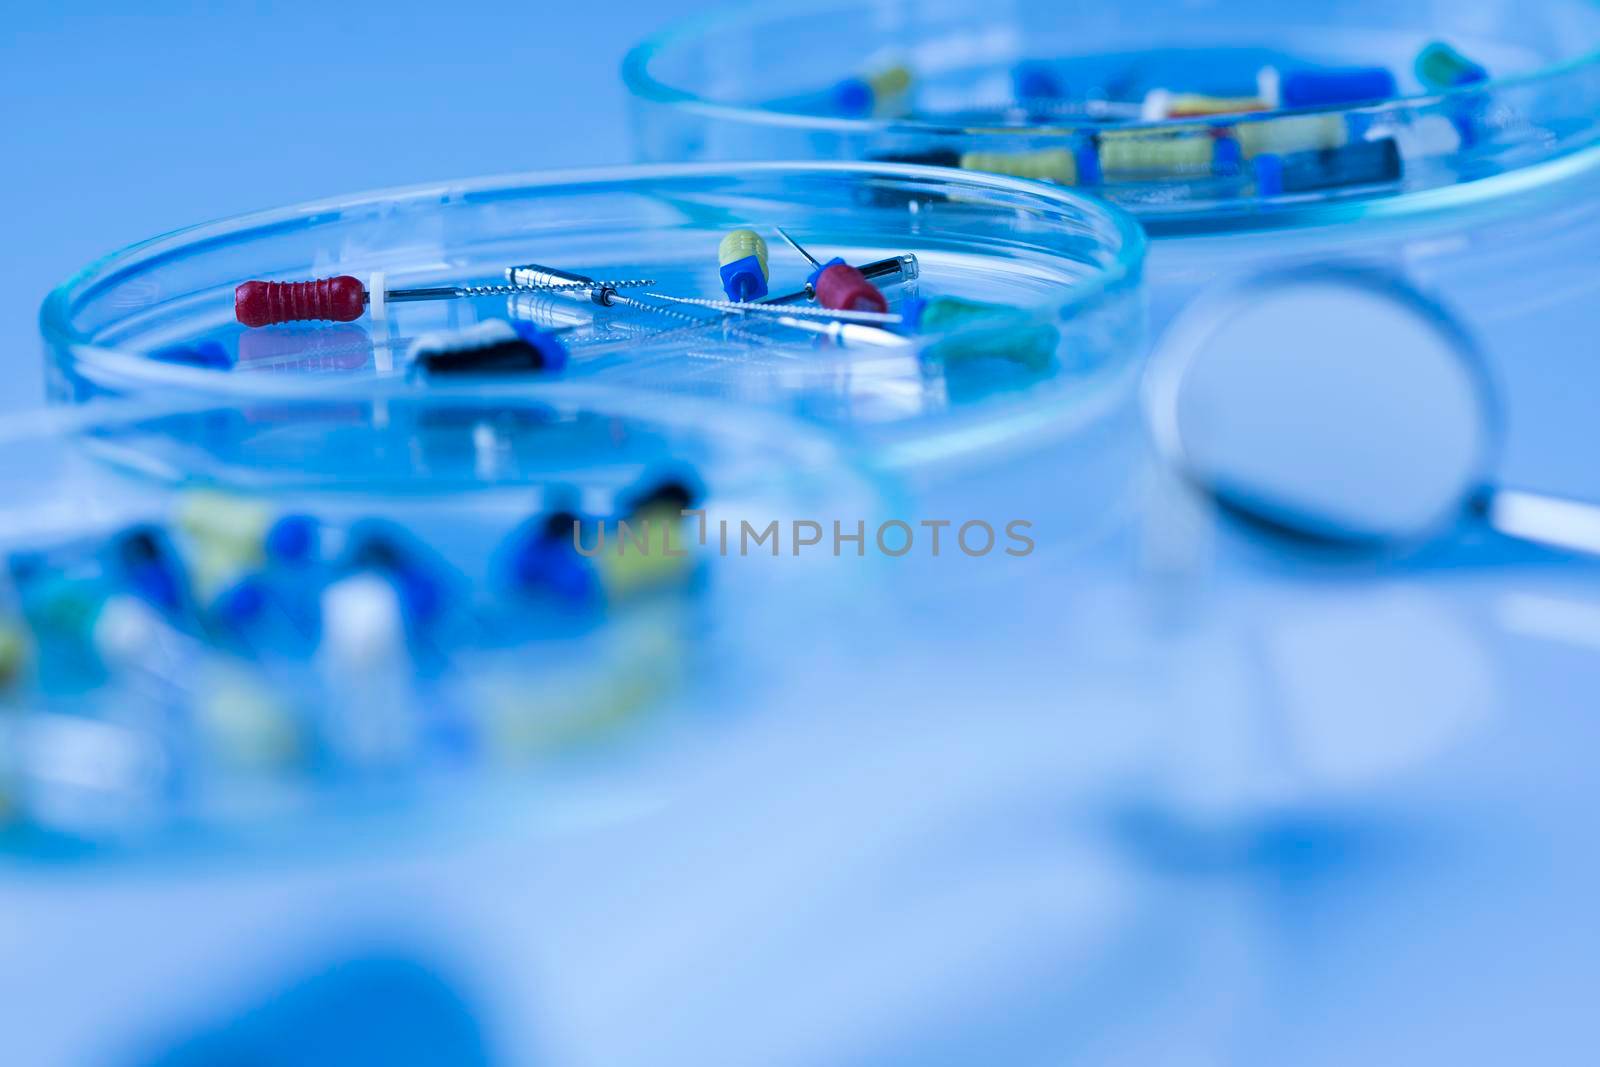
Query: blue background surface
[1385, 855]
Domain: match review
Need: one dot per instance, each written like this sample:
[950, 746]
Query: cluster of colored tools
[1287, 136]
[1043, 89]
[842, 303]
[1438, 68]
[230, 577]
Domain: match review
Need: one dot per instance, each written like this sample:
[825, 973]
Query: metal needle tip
[796, 246]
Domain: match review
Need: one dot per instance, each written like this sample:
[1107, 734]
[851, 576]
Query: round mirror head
[1333, 405]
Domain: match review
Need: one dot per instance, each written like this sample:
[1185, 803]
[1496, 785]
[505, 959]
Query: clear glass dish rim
[800, 447]
[1107, 221]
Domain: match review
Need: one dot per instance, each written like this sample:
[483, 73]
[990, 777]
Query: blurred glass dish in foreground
[267, 616]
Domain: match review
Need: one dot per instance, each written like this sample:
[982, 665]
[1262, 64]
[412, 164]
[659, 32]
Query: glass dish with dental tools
[269, 620]
[902, 302]
[1185, 111]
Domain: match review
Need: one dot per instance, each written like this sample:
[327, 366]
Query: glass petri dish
[1081, 95]
[1481, 192]
[274, 622]
[1066, 268]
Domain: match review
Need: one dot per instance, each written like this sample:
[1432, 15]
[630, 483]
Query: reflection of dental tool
[491, 347]
[866, 94]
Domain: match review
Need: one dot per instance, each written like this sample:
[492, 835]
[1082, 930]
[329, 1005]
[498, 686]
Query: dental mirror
[1342, 407]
